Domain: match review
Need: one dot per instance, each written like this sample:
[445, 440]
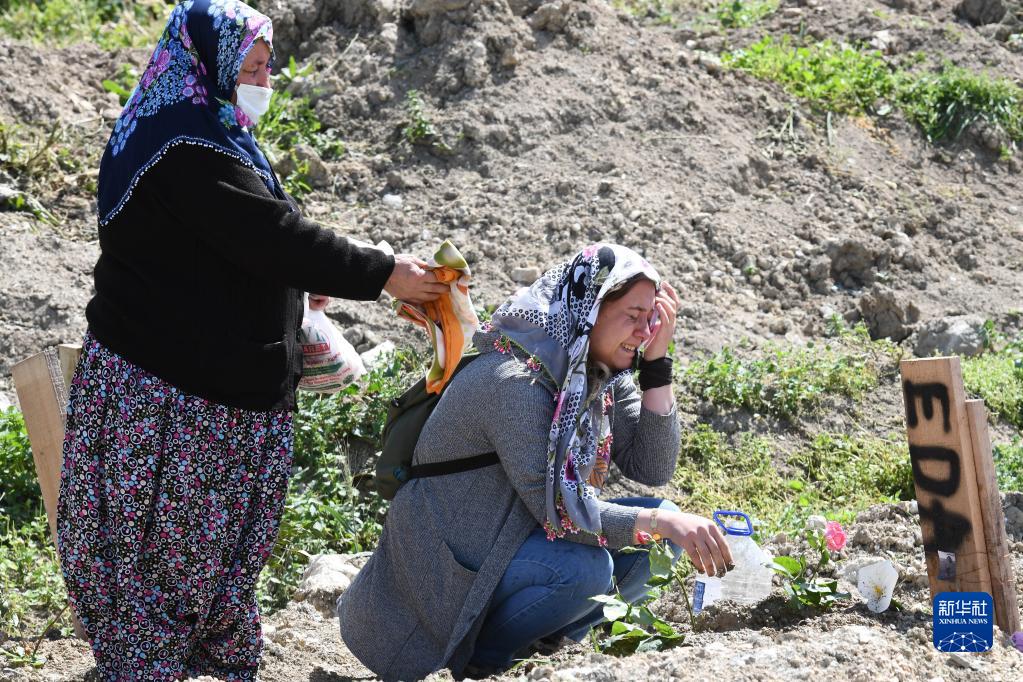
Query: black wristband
[654, 373]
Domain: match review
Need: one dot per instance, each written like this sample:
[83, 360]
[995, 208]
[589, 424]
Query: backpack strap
[453, 466]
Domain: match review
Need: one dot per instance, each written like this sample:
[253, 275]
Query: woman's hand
[700, 537]
[666, 304]
[412, 281]
[318, 302]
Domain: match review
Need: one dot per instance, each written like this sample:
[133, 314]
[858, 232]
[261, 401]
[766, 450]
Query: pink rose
[835, 536]
[245, 122]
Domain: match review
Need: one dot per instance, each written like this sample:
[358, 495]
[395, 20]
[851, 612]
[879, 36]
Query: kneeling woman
[473, 567]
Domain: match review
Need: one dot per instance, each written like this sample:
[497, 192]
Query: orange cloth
[442, 313]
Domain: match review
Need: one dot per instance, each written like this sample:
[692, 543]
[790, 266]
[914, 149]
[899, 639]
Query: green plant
[324, 511]
[20, 498]
[946, 103]
[122, 83]
[801, 577]
[852, 80]
[853, 473]
[419, 130]
[743, 13]
[784, 382]
[1008, 460]
[997, 377]
[109, 23]
[290, 121]
[837, 78]
[634, 628]
[30, 580]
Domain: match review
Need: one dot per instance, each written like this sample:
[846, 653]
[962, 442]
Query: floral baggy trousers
[169, 507]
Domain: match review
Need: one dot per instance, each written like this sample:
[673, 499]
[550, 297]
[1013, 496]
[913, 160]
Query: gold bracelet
[653, 525]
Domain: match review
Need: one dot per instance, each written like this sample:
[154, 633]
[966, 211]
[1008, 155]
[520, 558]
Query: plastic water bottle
[750, 580]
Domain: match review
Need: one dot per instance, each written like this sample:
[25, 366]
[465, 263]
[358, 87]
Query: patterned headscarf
[552, 321]
[184, 96]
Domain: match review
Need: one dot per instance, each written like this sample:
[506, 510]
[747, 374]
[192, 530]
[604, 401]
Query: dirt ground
[566, 122]
[767, 642]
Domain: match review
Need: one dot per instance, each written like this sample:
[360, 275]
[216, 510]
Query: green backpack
[405, 420]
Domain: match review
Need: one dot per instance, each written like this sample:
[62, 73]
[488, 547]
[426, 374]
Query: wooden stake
[945, 476]
[41, 386]
[1003, 582]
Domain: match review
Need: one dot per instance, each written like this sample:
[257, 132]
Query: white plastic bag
[329, 362]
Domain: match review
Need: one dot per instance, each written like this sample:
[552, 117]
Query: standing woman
[179, 435]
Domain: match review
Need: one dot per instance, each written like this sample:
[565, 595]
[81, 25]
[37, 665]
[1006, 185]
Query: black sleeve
[230, 208]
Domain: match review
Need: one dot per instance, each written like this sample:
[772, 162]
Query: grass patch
[835, 475]
[30, 580]
[110, 24]
[743, 13]
[703, 15]
[837, 78]
[946, 103]
[44, 160]
[850, 80]
[787, 382]
[997, 377]
[1009, 465]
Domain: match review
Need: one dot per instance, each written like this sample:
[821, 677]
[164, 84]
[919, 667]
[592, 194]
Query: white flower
[877, 584]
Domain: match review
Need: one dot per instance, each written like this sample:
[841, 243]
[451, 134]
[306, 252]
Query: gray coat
[419, 602]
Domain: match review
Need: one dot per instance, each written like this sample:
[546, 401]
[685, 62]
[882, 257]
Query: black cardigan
[200, 276]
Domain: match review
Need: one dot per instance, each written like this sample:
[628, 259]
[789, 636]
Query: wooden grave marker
[965, 547]
[41, 382]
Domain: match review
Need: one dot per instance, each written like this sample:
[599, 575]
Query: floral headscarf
[184, 96]
[552, 321]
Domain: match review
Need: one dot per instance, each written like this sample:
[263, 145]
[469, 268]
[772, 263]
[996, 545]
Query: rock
[952, 335]
[886, 316]
[374, 355]
[779, 325]
[393, 201]
[855, 264]
[316, 170]
[326, 577]
[862, 538]
[886, 42]
[526, 275]
[354, 335]
[476, 70]
[980, 12]
[816, 522]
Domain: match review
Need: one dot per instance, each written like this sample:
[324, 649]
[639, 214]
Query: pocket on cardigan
[443, 588]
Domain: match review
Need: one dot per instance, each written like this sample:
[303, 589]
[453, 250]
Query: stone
[316, 170]
[476, 70]
[374, 355]
[854, 263]
[885, 42]
[981, 12]
[393, 201]
[952, 335]
[525, 275]
[886, 315]
[816, 522]
[325, 579]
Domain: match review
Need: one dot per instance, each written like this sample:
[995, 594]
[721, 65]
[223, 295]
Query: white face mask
[253, 100]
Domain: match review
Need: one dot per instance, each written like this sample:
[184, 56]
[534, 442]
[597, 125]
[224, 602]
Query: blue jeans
[546, 590]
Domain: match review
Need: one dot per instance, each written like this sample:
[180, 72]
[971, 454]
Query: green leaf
[614, 608]
[660, 561]
[788, 565]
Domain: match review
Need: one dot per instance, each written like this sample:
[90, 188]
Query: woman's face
[253, 71]
[622, 325]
